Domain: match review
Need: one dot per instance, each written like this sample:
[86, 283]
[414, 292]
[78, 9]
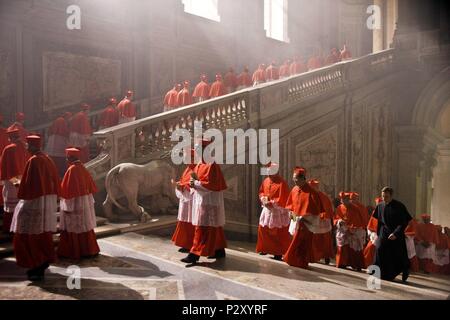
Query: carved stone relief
[357, 149]
[380, 126]
[69, 79]
[319, 156]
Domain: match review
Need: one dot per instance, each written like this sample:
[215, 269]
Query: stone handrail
[149, 138]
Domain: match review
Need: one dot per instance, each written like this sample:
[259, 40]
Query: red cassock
[23, 133]
[40, 178]
[272, 73]
[363, 213]
[184, 98]
[410, 231]
[314, 63]
[78, 218]
[297, 67]
[302, 201]
[331, 59]
[259, 76]
[426, 232]
[370, 249]
[171, 98]
[201, 90]
[58, 139]
[126, 108]
[217, 89]
[346, 255]
[109, 117]
[274, 240]
[80, 131]
[244, 79]
[322, 243]
[208, 239]
[13, 161]
[285, 70]
[4, 141]
[230, 80]
[184, 232]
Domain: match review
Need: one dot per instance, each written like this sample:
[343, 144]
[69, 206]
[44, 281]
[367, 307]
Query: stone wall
[144, 45]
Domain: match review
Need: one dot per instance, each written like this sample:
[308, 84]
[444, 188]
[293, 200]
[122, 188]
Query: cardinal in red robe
[333, 57]
[77, 220]
[272, 72]
[208, 212]
[259, 76]
[109, 116]
[81, 132]
[244, 79]
[230, 81]
[4, 141]
[426, 239]
[127, 109]
[13, 160]
[184, 96]
[305, 209]
[298, 66]
[285, 69]
[350, 235]
[217, 88]
[34, 220]
[315, 62]
[184, 233]
[372, 231]
[201, 90]
[273, 229]
[171, 98]
[322, 243]
[19, 124]
[58, 140]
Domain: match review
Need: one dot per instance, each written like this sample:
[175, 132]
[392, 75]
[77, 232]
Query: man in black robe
[391, 254]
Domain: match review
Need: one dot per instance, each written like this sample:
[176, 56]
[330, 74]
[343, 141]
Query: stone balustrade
[150, 138]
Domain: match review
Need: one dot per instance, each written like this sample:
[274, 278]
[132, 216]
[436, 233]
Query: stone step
[103, 230]
[4, 238]
[6, 250]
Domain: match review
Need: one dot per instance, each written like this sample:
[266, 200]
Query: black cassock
[392, 255]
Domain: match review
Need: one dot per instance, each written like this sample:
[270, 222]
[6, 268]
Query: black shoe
[36, 274]
[278, 258]
[191, 258]
[405, 276]
[262, 253]
[219, 254]
[327, 260]
[183, 250]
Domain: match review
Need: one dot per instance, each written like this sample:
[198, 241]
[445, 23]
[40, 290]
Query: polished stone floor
[134, 266]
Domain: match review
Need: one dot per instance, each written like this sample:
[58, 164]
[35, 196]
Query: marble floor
[134, 266]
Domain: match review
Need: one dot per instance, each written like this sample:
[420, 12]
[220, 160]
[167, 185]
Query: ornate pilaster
[416, 150]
